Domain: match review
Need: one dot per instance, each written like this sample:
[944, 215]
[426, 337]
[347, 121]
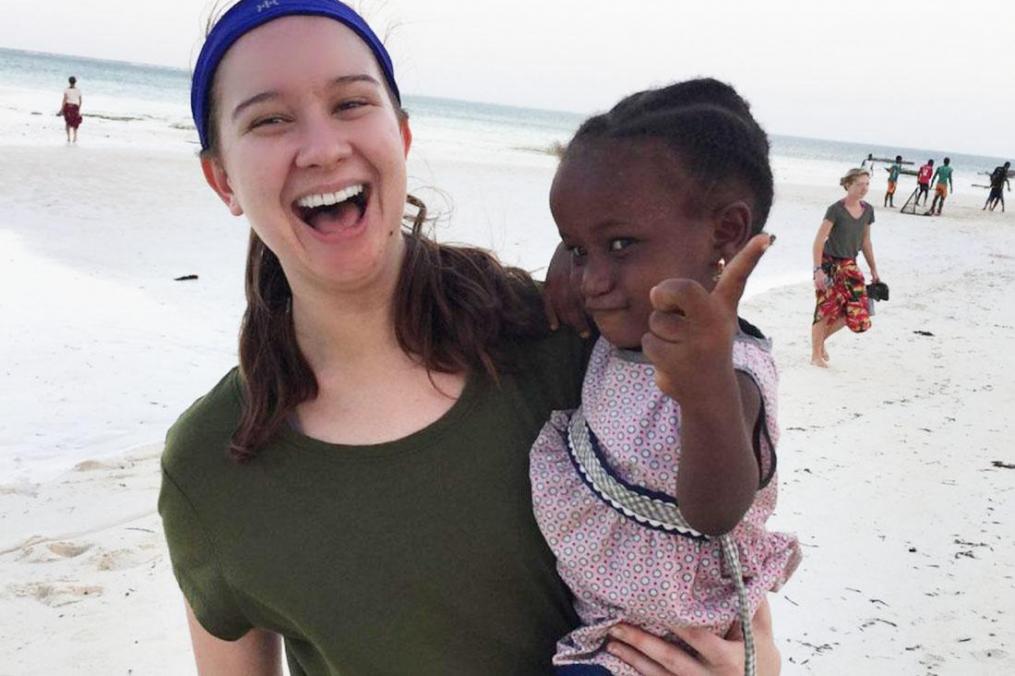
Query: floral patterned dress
[620, 569]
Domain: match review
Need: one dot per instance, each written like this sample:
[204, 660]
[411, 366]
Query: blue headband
[247, 15]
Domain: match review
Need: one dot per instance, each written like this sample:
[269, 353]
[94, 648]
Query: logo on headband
[266, 4]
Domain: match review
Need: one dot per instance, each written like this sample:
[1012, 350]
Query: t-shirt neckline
[413, 441]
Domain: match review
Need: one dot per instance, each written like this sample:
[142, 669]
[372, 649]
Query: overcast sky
[931, 74]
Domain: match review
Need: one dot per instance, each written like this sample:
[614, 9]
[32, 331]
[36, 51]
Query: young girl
[674, 443]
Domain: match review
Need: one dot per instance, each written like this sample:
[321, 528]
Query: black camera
[877, 291]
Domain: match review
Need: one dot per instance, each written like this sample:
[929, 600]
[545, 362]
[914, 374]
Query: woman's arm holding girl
[716, 655]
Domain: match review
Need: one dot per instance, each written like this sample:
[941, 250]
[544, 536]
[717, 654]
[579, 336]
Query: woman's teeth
[327, 199]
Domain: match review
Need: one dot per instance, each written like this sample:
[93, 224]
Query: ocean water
[462, 129]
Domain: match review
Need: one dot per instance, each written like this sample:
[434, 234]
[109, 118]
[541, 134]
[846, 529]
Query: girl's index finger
[733, 280]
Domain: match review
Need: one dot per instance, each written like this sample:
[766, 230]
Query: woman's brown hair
[455, 309]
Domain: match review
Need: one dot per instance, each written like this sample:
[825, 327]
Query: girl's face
[621, 207]
[312, 150]
[859, 187]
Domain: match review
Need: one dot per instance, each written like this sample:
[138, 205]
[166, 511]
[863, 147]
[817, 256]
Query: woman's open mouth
[333, 212]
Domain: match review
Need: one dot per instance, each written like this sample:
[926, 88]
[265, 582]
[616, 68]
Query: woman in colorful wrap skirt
[70, 109]
[838, 282]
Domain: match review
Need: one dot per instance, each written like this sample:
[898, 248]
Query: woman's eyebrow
[268, 95]
[256, 98]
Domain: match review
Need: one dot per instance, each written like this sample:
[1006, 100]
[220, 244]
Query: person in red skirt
[838, 282]
[71, 109]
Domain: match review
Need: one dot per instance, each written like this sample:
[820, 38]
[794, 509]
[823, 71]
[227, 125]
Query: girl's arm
[868, 253]
[690, 342]
[719, 472]
[258, 653]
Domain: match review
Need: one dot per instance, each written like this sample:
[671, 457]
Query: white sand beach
[896, 464]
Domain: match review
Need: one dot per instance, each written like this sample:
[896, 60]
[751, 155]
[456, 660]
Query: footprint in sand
[24, 489]
[91, 466]
[35, 552]
[55, 595]
[67, 549]
[120, 559]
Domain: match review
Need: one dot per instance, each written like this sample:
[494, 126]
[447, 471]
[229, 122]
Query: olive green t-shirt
[846, 236]
[419, 556]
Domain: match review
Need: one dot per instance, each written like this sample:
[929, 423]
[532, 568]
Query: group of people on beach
[941, 179]
[428, 463]
[842, 296]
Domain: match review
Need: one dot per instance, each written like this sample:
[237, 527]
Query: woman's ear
[732, 228]
[216, 176]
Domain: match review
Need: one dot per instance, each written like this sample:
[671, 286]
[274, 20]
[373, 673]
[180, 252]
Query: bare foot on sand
[824, 355]
[819, 362]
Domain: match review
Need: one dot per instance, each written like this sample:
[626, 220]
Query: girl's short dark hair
[709, 128]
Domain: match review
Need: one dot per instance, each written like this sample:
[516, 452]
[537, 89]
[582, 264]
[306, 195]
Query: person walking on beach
[923, 181]
[868, 163]
[661, 271]
[373, 443]
[839, 284]
[941, 188]
[998, 181]
[893, 181]
[70, 109]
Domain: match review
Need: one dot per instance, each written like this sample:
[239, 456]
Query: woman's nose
[323, 142]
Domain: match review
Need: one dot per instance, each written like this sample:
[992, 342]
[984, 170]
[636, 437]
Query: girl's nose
[323, 142]
[596, 276]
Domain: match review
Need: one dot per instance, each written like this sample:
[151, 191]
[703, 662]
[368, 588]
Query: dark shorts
[996, 194]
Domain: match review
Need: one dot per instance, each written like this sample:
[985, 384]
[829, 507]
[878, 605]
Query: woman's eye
[620, 243]
[267, 121]
[577, 252]
[350, 104]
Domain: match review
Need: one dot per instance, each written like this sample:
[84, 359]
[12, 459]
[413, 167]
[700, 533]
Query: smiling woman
[372, 443]
[359, 485]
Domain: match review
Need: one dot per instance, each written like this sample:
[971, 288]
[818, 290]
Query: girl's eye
[620, 243]
[577, 253]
